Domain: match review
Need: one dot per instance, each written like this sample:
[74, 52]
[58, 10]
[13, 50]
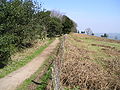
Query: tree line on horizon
[24, 21]
[88, 31]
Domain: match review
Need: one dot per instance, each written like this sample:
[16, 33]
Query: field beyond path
[11, 81]
[90, 63]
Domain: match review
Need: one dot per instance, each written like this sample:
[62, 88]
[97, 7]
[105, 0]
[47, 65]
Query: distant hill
[115, 36]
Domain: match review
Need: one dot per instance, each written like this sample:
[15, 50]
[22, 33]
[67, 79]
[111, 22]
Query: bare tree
[57, 14]
[88, 31]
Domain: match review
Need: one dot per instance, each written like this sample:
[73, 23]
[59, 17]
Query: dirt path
[14, 79]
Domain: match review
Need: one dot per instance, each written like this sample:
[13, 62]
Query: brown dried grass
[85, 73]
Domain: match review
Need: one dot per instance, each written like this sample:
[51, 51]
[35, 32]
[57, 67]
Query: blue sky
[102, 16]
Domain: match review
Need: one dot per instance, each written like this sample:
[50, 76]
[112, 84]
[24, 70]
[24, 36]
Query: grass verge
[17, 64]
[44, 80]
[25, 85]
[27, 82]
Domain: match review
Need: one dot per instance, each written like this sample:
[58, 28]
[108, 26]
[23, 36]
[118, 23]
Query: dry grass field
[91, 63]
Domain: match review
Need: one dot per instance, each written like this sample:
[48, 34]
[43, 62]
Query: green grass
[95, 41]
[44, 79]
[17, 64]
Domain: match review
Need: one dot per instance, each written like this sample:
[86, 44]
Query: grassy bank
[16, 64]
